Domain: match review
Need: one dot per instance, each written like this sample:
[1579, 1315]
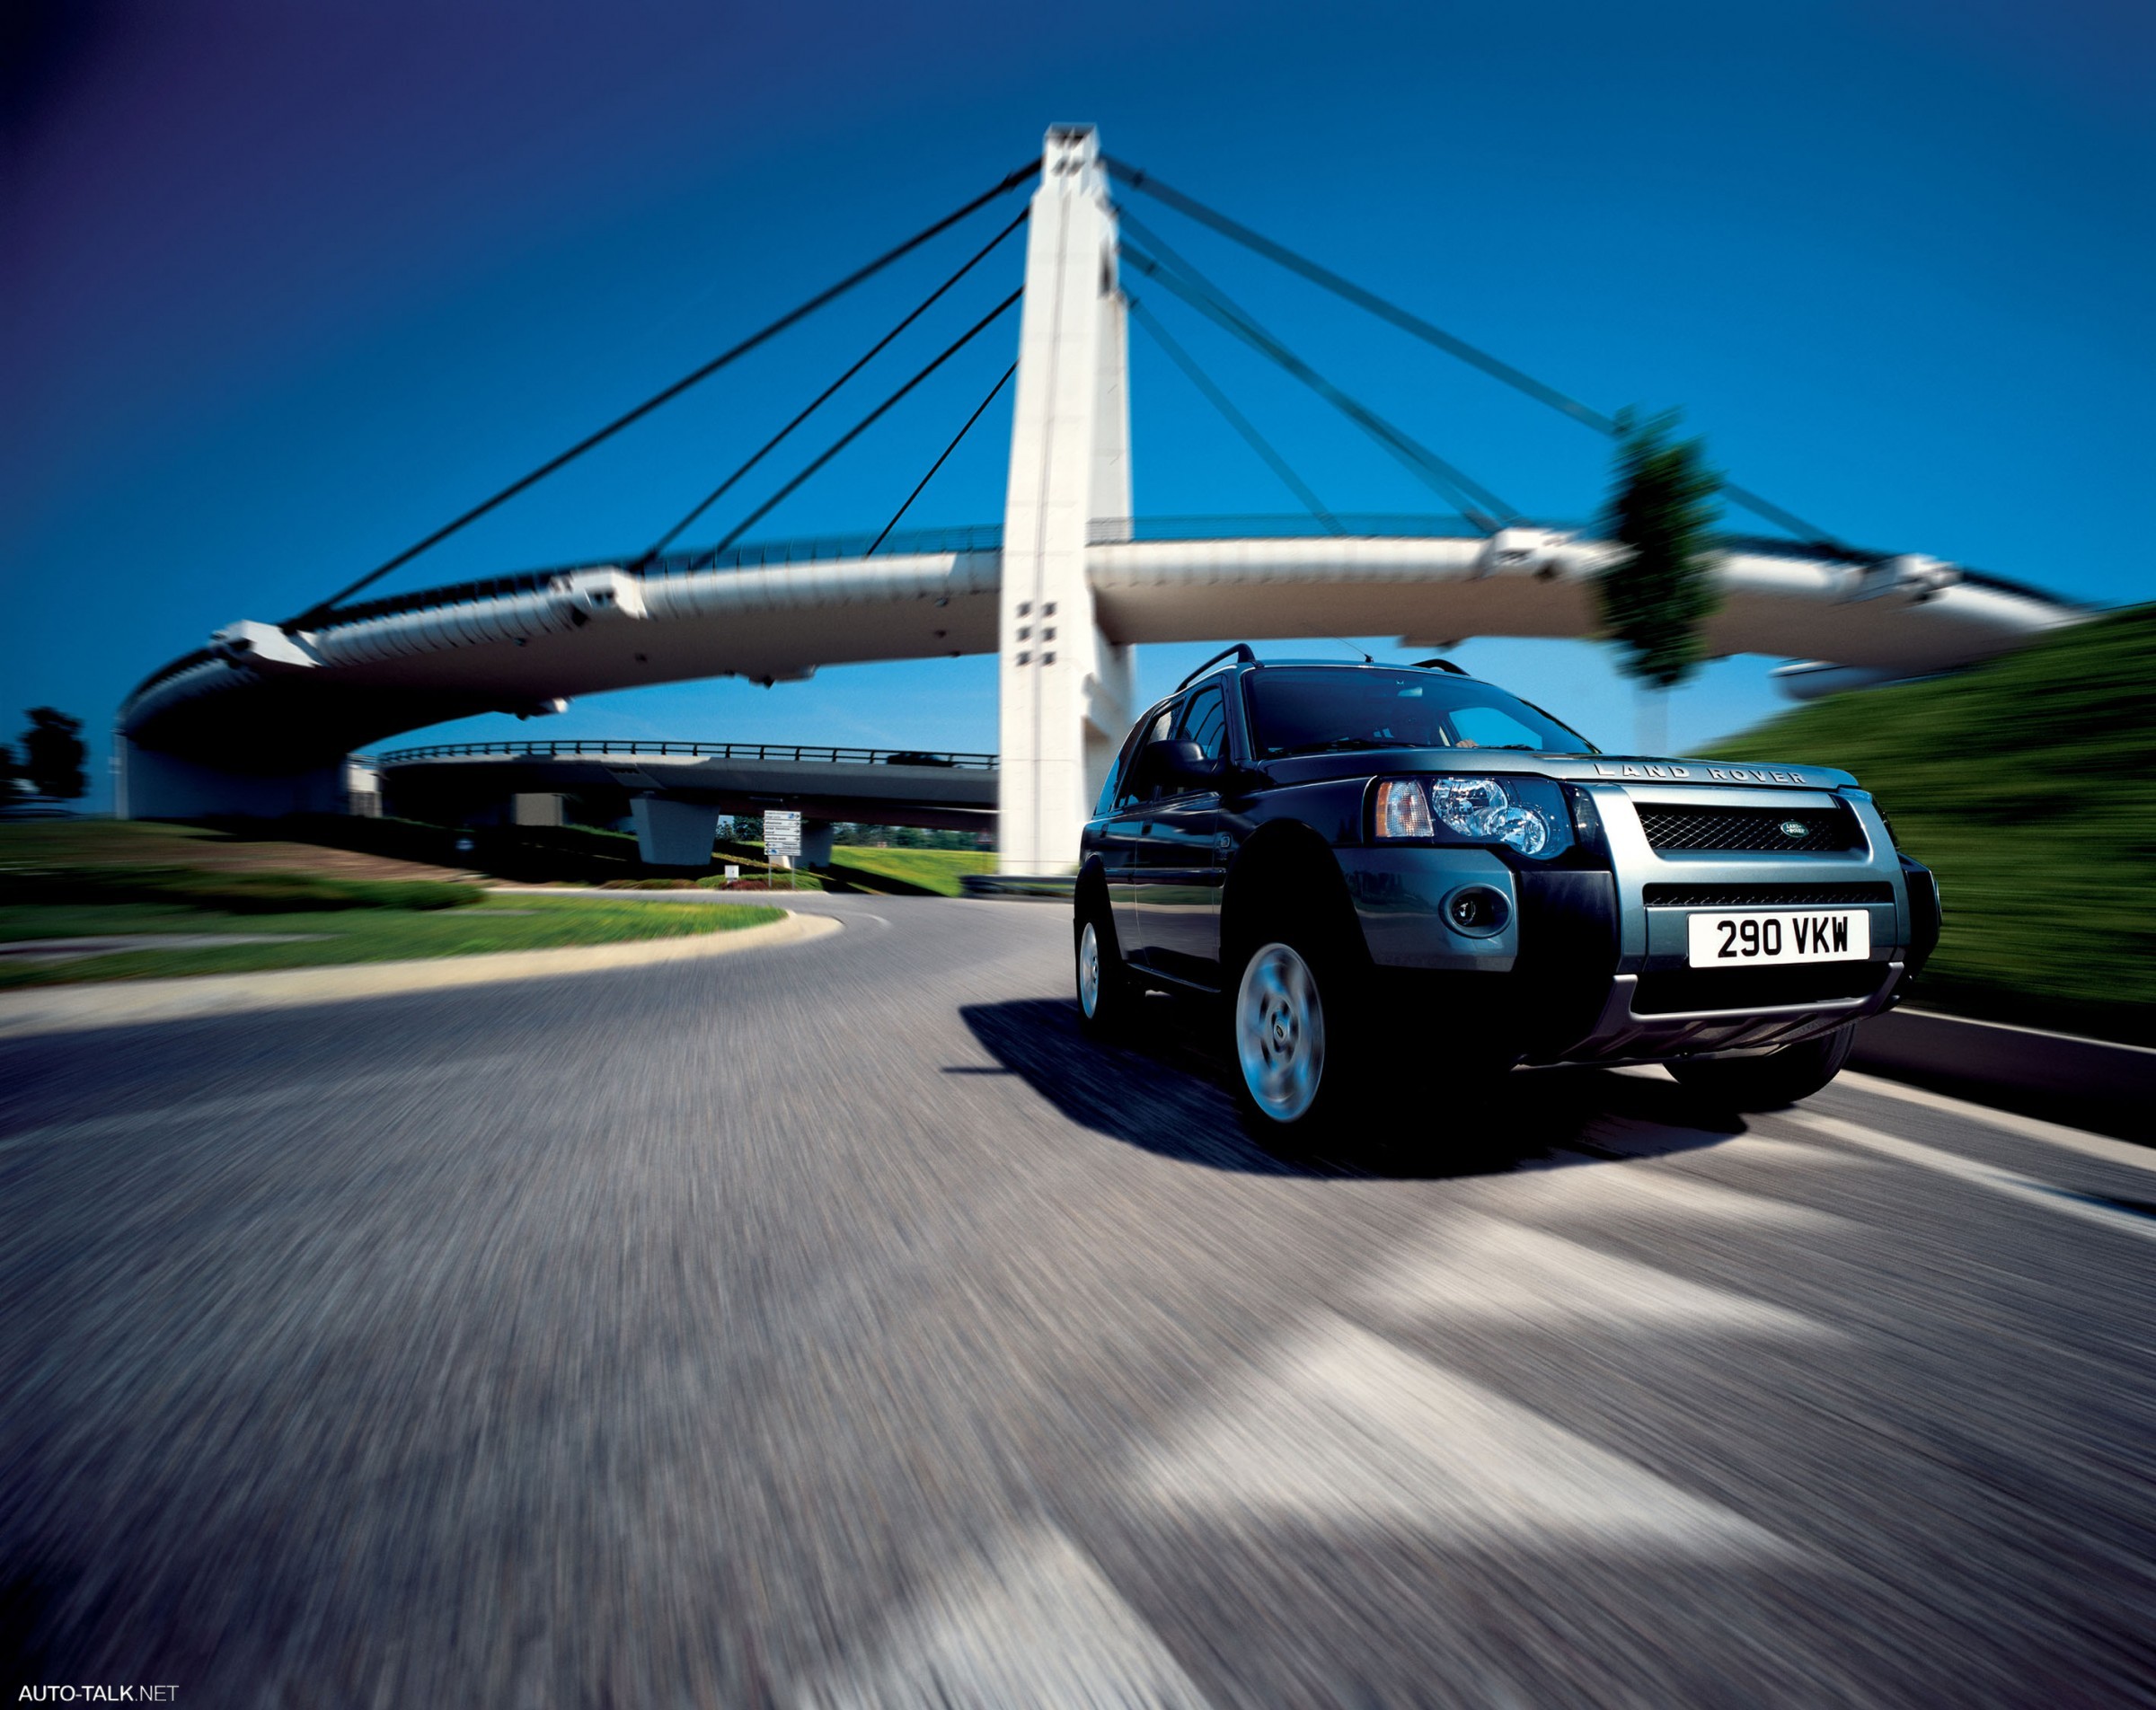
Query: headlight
[1481, 809]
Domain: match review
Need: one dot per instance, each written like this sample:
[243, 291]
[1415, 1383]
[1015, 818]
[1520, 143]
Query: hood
[1585, 769]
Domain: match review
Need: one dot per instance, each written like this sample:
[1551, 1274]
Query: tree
[1656, 598]
[52, 754]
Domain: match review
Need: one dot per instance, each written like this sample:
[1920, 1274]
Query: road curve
[832, 1327]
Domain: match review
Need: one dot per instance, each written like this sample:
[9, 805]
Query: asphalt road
[831, 1326]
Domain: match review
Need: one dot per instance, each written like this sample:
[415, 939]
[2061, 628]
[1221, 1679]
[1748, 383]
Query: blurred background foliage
[2028, 786]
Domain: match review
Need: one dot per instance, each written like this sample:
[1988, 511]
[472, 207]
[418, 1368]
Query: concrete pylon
[673, 834]
[1066, 687]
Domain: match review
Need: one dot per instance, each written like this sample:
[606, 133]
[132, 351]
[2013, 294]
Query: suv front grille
[1823, 830]
[1684, 990]
[1764, 895]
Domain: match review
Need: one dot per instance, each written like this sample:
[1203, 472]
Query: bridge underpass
[674, 793]
[1061, 590]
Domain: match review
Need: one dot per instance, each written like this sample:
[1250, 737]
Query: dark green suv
[1367, 856]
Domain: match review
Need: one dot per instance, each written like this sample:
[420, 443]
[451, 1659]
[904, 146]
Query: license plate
[1752, 938]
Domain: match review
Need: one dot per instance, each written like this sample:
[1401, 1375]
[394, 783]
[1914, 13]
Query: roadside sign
[733, 872]
[781, 835]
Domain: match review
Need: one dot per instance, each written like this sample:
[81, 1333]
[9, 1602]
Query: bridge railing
[1108, 531]
[751, 555]
[792, 753]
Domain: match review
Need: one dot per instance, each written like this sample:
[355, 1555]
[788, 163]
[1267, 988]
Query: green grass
[268, 891]
[74, 842]
[523, 922]
[925, 870]
[2029, 786]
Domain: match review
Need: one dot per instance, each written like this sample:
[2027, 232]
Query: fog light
[1476, 910]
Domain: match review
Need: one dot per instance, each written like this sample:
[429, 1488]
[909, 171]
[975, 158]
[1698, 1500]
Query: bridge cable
[865, 423]
[1481, 506]
[1317, 274]
[1009, 181]
[1236, 419]
[1424, 464]
[932, 468]
[824, 397]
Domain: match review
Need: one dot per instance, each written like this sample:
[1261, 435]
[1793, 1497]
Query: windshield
[1329, 708]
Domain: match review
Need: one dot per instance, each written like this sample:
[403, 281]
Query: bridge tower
[1065, 686]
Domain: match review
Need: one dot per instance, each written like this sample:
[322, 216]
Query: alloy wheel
[1280, 1033]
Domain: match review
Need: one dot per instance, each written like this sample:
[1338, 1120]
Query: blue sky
[288, 287]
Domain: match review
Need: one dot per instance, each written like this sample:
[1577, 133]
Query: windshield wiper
[1347, 744]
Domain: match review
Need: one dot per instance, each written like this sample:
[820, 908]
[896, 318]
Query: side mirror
[1174, 765]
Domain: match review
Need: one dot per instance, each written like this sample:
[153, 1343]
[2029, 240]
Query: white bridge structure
[261, 722]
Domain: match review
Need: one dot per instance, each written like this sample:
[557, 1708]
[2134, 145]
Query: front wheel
[1289, 1068]
[1770, 1082]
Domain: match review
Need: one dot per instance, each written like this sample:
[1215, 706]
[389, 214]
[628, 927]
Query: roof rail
[1241, 653]
[1438, 665]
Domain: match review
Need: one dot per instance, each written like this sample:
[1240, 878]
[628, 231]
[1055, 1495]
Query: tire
[1107, 997]
[1292, 1036]
[1770, 1082]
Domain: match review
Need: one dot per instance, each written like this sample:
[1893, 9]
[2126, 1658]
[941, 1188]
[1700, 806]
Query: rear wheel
[1107, 994]
[1771, 1081]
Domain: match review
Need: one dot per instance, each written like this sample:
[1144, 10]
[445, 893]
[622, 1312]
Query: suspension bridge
[259, 722]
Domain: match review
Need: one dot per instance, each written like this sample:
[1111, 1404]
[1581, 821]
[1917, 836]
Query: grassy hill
[2029, 786]
[909, 870]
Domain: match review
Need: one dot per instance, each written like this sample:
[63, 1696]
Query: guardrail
[791, 752]
[2059, 1077]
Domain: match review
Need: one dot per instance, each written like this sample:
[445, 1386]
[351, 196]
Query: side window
[1205, 722]
[1128, 782]
[1111, 792]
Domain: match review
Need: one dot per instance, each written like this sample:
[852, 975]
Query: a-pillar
[673, 834]
[816, 842]
[1064, 704]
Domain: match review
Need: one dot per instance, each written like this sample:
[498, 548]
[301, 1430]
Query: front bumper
[1592, 965]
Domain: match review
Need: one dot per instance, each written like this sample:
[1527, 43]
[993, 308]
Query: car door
[1128, 822]
[1180, 867]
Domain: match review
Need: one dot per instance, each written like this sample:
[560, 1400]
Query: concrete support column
[150, 785]
[673, 834]
[816, 842]
[1065, 686]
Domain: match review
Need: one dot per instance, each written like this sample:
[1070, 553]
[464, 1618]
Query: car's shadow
[1166, 1087]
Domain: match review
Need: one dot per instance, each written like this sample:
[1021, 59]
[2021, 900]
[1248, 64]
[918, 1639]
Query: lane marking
[1657, 1189]
[1774, 1153]
[2073, 1140]
[1344, 1426]
[1033, 1624]
[2010, 1183]
[1508, 1273]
